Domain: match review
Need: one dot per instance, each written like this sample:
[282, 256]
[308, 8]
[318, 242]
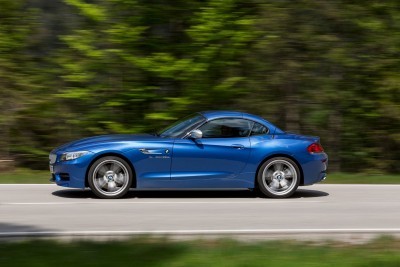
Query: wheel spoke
[284, 183]
[112, 186]
[274, 184]
[102, 171]
[115, 167]
[268, 175]
[120, 179]
[102, 182]
[278, 167]
[288, 173]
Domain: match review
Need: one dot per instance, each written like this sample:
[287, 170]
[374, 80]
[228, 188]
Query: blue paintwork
[181, 162]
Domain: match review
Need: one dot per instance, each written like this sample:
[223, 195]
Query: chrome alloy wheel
[110, 177]
[279, 177]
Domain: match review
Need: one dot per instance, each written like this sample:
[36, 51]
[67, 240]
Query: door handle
[238, 146]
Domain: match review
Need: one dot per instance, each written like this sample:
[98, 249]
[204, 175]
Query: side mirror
[195, 134]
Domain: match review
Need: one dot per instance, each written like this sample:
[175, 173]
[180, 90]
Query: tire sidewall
[91, 179]
[266, 192]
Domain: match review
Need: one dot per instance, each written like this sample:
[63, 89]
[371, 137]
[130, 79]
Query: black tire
[110, 177]
[278, 177]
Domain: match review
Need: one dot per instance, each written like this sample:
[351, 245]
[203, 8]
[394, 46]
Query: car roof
[215, 114]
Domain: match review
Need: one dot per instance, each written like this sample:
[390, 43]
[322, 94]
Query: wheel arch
[275, 156]
[112, 154]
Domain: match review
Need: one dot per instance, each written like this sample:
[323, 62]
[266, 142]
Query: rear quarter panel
[267, 146]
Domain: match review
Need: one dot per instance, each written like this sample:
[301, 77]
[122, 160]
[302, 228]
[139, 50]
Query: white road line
[162, 202]
[204, 232]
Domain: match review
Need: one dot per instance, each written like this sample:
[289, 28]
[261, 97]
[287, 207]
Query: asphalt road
[326, 211]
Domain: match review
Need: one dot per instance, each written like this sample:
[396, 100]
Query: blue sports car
[213, 149]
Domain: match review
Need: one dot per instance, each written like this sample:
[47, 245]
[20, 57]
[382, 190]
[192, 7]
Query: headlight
[73, 155]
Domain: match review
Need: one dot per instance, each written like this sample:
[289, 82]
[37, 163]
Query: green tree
[15, 80]
[317, 69]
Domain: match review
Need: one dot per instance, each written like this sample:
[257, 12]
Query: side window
[226, 128]
[259, 129]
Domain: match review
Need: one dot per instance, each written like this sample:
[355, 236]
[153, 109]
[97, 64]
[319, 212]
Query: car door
[221, 153]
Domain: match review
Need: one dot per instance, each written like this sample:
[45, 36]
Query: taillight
[315, 148]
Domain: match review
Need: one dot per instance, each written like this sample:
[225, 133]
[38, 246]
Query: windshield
[182, 126]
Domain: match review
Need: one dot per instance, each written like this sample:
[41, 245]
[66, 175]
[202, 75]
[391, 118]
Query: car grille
[52, 158]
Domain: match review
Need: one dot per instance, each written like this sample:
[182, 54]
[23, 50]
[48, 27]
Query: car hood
[104, 139]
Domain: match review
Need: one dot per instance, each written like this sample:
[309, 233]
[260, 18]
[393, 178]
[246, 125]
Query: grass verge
[26, 176]
[362, 178]
[161, 252]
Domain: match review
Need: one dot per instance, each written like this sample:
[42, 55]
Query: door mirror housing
[195, 134]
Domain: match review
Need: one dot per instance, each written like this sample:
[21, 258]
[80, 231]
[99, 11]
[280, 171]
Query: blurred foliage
[76, 68]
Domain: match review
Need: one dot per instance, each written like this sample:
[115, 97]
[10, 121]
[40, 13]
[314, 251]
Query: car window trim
[268, 130]
[249, 135]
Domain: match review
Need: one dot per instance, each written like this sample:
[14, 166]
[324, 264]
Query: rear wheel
[110, 177]
[278, 177]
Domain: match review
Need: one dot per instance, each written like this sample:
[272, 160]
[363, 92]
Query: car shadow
[309, 193]
[143, 194]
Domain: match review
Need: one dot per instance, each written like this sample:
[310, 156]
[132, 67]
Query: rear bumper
[314, 170]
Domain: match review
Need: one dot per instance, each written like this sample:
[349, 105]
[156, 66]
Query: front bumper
[70, 173]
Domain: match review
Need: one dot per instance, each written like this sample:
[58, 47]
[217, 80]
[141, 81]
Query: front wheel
[278, 177]
[110, 177]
